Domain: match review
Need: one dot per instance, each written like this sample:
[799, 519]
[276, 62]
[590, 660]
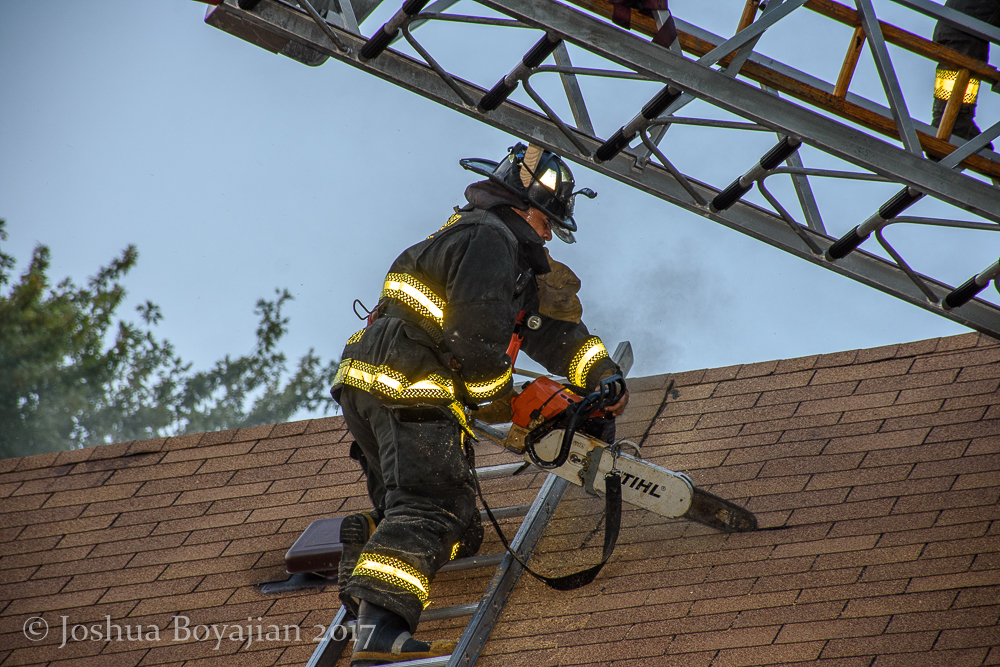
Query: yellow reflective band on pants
[395, 572]
[484, 391]
[590, 353]
[944, 82]
[454, 550]
[416, 295]
[393, 384]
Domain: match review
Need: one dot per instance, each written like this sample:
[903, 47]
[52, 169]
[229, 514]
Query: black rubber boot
[354, 533]
[965, 127]
[384, 638]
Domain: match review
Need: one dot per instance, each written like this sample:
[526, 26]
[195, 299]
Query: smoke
[669, 312]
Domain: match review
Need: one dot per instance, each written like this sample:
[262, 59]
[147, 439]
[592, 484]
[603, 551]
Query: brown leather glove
[499, 411]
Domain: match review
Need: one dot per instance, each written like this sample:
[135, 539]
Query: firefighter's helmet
[541, 179]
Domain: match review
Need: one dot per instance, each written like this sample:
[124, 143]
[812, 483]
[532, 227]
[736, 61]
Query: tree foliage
[72, 375]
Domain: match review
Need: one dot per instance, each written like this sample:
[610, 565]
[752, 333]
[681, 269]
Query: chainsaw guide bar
[644, 484]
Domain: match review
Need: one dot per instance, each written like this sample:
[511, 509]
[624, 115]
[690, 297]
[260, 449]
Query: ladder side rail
[502, 586]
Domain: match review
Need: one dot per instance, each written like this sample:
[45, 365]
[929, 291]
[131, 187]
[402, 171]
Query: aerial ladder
[883, 143]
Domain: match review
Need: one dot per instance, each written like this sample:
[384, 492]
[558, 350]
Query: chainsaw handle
[609, 391]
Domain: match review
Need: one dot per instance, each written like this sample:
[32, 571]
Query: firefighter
[974, 47]
[433, 356]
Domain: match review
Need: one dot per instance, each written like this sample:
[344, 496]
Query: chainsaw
[556, 427]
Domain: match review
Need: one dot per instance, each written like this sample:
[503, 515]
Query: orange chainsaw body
[542, 400]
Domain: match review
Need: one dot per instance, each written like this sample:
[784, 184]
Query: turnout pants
[419, 481]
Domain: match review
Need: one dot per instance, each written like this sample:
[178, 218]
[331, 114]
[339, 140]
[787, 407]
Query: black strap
[612, 525]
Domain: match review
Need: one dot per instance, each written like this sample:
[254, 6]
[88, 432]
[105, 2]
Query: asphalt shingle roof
[874, 474]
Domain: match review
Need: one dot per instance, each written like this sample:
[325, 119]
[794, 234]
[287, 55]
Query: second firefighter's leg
[947, 73]
[430, 503]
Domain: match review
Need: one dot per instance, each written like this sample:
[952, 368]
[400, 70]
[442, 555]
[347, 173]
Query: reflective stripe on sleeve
[483, 391]
[590, 353]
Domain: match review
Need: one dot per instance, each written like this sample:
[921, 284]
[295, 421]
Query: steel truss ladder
[487, 611]
[893, 147]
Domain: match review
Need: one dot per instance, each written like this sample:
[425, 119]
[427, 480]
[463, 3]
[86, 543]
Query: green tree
[72, 375]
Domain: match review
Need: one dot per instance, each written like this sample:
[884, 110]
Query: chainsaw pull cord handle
[516, 337]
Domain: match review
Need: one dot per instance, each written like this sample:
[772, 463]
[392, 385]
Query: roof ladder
[487, 611]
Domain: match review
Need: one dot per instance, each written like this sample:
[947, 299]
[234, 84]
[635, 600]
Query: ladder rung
[486, 560]
[425, 662]
[455, 611]
[496, 472]
[507, 512]
[439, 614]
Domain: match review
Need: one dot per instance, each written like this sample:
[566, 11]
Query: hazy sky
[236, 171]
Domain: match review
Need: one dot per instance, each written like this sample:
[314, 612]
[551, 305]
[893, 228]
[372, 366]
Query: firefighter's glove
[500, 411]
[618, 408]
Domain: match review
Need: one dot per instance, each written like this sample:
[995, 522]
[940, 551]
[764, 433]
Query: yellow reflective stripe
[459, 412]
[359, 374]
[394, 571]
[944, 82]
[485, 390]
[392, 383]
[451, 221]
[416, 295]
[454, 550]
[395, 385]
[356, 337]
[590, 353]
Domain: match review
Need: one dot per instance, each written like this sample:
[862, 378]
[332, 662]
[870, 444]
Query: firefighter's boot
[383, 638]
[965, 127]
[354, 533]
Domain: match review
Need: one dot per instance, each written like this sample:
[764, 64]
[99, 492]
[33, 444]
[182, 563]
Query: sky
[237, 172]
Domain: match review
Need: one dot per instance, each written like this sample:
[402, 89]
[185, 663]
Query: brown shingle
[842, 373]
[898, 489]
[64, 483]
[832, 629]
[737, 637]
[188, 483]
[870, 441]
[909, 381]
[326, 424]
[771, 384]
[137, 504]
[159, 471]
[912, 642]
[76, 497]
[792, 613]
[859, 477]
[977, 357]
[124, 578]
